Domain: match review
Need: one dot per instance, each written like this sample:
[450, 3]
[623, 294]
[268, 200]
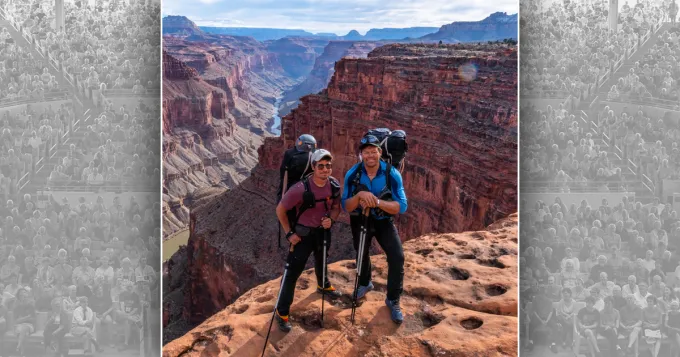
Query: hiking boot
[329, 291]
[283, 323]
[395, 311]
[361, 292]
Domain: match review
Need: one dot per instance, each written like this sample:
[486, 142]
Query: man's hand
[294, 239]
[326, 222]
[367, 199]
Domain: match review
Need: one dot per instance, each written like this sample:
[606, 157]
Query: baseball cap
[320, 154]
[369, 140]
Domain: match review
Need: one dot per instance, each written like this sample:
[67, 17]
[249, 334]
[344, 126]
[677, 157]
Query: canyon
[460, 299]
[456, 102]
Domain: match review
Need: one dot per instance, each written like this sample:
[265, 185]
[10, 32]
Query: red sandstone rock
[218, 103]
[460, 299]
[460, 171]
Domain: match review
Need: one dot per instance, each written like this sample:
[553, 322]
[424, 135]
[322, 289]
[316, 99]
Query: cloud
[337, 16]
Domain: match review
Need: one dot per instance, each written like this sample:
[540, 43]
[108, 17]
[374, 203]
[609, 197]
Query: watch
[289, 234]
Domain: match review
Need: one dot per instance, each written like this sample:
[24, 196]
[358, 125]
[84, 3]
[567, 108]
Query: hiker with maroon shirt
[307, 235]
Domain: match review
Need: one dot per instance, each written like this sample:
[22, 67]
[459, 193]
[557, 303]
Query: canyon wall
[458, 105]
[323, 69]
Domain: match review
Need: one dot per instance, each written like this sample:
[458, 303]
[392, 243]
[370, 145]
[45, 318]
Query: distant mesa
[180, 25]
[497, 26]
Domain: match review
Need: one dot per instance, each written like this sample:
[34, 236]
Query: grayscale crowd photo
[599, 178]
[79, 178]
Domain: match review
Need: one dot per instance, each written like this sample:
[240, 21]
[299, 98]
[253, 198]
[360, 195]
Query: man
[307, 234]
[604, 286]
[587, 323]
[364, 184]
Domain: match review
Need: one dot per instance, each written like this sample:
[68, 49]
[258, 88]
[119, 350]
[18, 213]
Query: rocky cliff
[217, 106]
[460, 299]
[323, 70]
[296, 55]
[180, 25]
[497, 26]
[458, 105]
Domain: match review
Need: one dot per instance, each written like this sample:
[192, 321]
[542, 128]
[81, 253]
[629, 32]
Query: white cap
[319, 154]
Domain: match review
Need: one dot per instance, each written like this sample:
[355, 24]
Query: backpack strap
[388, 176]
[357, 180]
[309, 163]
[309, 200]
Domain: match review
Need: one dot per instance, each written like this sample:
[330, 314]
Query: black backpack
[297, 165]
[393, 144]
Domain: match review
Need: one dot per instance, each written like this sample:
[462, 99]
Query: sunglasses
[326, 166]
[370, 139]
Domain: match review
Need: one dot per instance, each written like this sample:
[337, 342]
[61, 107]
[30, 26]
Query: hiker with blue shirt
[375, 184]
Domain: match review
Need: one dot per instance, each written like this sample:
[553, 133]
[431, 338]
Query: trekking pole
[271, 322]
[360, 255]
[323, 275]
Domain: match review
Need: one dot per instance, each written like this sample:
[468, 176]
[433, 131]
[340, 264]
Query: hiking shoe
[283, 323]
[329, 291]
[364, 289]
[395, 311]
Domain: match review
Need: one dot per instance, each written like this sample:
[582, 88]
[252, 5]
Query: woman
[147, 271]
[103, 307]
[609, 325]
[83, 324]
[580, 293]
[672, 324]
[652, 319]
[83, 272]
[70, 302]
[569, 275]
[58, 324]
[569, 256]
[126, 272]
[666, 300]
[564, 314]
[24, 318]
[105, 271]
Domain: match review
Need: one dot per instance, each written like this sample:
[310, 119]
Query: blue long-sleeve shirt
[375, 186]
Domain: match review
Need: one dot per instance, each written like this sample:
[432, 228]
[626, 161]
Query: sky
[336, 16]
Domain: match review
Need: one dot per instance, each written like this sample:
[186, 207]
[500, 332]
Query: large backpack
[393, 144]
[294, 167]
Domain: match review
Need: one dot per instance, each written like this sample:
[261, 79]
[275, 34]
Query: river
[276, 127]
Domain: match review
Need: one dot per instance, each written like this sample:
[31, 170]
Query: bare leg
[592, 339]
[657, 347]
[633, 337]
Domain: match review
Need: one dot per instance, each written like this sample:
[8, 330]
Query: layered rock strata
[458, 105]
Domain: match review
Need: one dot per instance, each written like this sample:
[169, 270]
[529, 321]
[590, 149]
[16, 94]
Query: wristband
[378, 203]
